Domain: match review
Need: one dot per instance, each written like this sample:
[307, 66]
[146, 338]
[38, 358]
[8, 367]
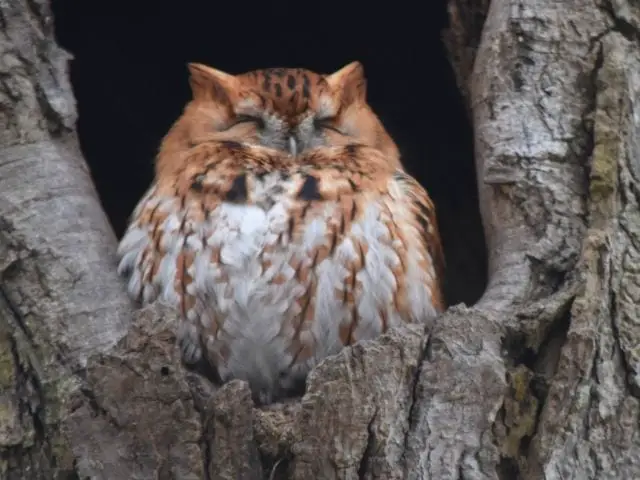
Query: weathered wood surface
[537, 380]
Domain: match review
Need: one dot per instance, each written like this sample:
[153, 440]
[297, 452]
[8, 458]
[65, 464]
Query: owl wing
[423, 213]
[170, 250]
[156, 252]
[356, 177]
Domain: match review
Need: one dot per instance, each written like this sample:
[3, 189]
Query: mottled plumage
[282, 226]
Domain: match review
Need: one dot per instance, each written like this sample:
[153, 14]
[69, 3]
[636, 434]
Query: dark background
[130, 80]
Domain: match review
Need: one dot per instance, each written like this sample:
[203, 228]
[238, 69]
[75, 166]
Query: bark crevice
[539, 379]
[624, 21]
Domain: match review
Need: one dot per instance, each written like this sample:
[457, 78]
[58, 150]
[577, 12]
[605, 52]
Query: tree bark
[59, 298]
[62, 413]
[539, 379]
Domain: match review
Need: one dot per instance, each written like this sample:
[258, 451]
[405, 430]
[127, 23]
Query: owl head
[288, 109]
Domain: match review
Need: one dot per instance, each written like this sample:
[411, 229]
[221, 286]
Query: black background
[130, 81]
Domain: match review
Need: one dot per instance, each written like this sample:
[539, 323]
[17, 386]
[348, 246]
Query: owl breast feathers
[282, 226]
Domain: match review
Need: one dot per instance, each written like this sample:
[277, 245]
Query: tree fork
[539, 379]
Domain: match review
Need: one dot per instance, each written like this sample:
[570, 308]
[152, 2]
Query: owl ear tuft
[210, 84]
[349, 82]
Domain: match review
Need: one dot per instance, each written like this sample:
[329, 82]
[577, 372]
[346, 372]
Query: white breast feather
[249, 306]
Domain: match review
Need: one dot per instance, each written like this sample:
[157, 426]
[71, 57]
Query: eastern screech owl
[282, 226]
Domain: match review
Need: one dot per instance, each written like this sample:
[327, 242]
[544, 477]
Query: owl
[282, 226]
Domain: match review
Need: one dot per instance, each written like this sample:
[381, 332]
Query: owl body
[278, 245]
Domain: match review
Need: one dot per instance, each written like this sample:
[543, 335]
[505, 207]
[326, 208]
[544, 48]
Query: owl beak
[293, 146]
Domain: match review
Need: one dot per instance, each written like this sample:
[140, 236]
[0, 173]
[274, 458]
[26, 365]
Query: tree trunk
[539, 379]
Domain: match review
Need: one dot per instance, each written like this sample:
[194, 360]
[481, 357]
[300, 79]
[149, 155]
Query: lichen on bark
[539, 379]
[588, 426]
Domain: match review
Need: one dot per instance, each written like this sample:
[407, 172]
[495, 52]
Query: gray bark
[555, 93]
[539, 379]
[59, 296]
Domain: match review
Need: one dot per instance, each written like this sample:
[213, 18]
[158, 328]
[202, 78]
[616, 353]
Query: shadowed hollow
[130, 79]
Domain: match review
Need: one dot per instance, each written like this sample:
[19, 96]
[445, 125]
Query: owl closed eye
[292, 110]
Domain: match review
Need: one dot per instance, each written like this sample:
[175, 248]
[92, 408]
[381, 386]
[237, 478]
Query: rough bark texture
[555, 93]
[539, 379]
[588, 427]
[59, 296]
